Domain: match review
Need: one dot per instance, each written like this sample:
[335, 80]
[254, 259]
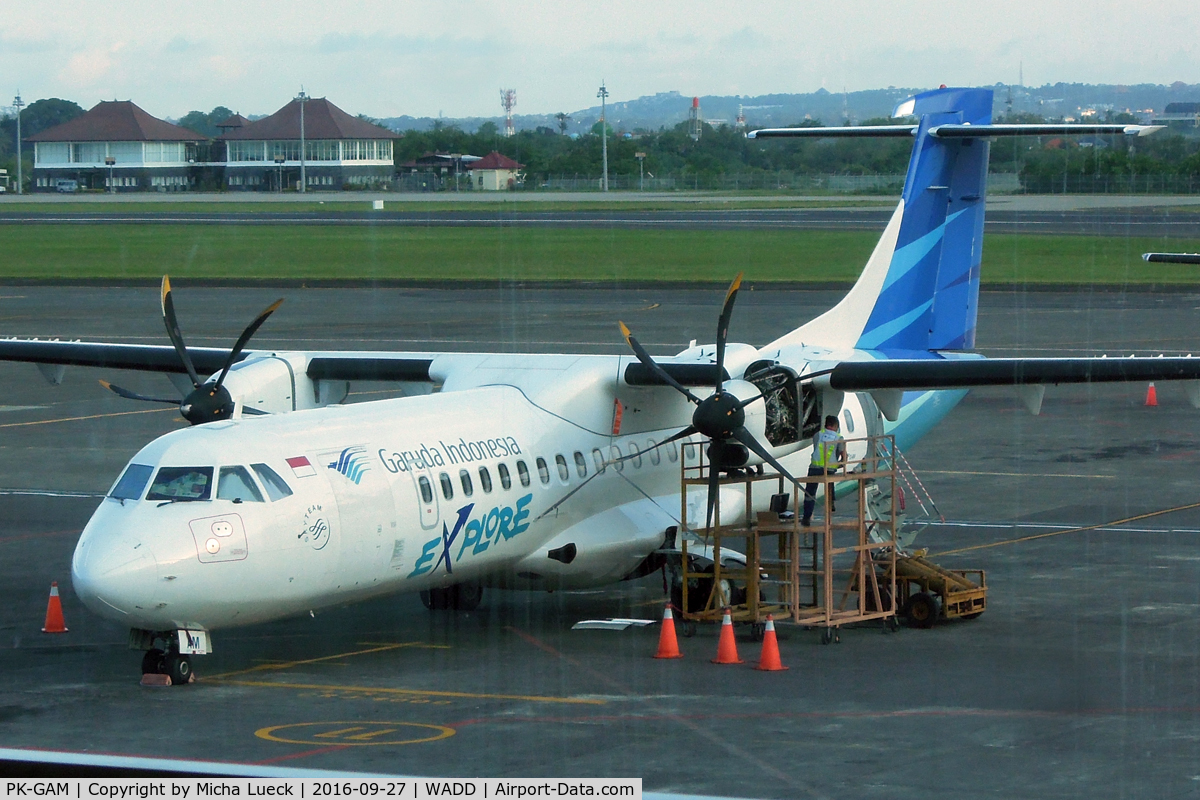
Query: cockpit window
[131, 484]
[276, 487]
[236, 484]
[182, 483]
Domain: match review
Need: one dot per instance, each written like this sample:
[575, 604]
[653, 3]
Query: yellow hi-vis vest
[825, 449]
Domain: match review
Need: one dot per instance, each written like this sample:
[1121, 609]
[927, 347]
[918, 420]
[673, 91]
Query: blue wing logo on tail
[352, 463]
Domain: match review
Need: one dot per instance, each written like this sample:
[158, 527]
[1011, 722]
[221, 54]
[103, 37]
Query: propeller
[207, 402]
[721, 416]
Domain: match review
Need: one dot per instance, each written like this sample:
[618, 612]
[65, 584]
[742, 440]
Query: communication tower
[694, 120]
[740, 123]
[508, 99]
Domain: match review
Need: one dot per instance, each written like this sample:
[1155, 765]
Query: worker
[828, 455]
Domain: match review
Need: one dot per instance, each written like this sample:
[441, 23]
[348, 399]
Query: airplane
[553, 471]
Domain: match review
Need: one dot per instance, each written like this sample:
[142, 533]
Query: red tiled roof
[116, 121]
[236, 121]
[322, 120]
[494, 160]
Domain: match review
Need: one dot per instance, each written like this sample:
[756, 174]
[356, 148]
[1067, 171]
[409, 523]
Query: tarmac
[1080, 680]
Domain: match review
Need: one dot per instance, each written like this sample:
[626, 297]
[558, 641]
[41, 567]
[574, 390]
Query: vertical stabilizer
[920, 288]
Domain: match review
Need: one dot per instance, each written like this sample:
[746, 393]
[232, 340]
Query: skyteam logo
[352, 463]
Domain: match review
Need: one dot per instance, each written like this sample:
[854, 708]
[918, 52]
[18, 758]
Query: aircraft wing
[920, 374]
[377, 366]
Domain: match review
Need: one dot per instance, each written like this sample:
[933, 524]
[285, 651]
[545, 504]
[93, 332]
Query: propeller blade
[715, 448]
[173, 332]
[723, 325]
[683, 434]
[245, 337]
[648, 362]
[745, 437]
[128, 395]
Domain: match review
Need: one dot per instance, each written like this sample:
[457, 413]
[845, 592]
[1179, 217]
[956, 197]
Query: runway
[1141, 221]
[1078, 681]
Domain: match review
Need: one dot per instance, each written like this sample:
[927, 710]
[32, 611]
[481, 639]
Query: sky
[451, 57]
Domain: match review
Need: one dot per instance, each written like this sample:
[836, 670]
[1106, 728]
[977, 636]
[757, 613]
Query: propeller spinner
[721, 417]
[207, 402]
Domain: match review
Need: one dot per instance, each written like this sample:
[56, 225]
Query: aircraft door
[366, 511]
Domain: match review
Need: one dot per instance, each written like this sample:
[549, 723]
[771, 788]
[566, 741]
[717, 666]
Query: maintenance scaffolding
[835, 572]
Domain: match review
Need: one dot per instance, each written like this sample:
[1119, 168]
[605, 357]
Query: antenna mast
[508, 99]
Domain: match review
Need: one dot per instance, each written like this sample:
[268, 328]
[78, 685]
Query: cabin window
[485, 479]
[564, 474]
[276, 487]
[615, 453]
[672, 452]
[655, 455]
[426, 490]
[182, 483]
[464, 478]
[580, 464]
[132, 482]
[543, 470]
[636, 455]
[235, 483]
[846, 415]
[447, 486]
[505, 478]
[598, 457]
[523, 473]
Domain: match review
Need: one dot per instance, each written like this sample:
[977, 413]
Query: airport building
[340, 151]
[116, 146]
[495, 172]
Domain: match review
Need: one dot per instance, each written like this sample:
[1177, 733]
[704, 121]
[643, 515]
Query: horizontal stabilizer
[951, 131]
[856, 376]
[1172, 258]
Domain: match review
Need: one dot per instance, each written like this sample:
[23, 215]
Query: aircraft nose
[115, 577]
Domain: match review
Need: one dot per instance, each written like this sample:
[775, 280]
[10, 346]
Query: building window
[246, 151]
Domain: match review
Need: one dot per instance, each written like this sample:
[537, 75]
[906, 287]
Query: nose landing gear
[165, 662]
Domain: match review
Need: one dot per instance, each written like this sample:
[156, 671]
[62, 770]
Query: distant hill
[666, 109]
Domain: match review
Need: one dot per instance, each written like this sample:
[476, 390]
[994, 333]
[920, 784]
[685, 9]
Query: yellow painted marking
[371, 734]
[420, 692]
[91, 416]
[1019, 474]
[290, 664]
[335, 734]
[432, 733]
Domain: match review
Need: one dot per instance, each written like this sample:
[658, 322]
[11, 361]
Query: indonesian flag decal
[301, 467]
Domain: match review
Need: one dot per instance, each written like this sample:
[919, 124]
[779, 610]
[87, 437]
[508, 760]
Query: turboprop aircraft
[532, 471]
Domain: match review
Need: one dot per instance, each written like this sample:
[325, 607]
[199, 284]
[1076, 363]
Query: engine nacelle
[277, 383]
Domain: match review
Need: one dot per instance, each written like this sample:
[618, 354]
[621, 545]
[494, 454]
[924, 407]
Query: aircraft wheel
[179, 668]
[467, 596]
[435, 599]
[153, 662]
[922, 610]
[757, 630]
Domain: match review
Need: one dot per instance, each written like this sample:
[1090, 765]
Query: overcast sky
[393, 57]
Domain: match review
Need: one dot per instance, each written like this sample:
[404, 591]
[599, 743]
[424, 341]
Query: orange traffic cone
[54, 616]
[1151, 395]
[726, 646]
[769, 660]
[668, 645]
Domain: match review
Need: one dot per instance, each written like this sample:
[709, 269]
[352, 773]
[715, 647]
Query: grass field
[316, 252]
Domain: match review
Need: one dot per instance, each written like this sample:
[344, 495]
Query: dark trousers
[810, 492]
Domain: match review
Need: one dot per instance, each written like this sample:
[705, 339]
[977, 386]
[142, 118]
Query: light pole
[641, 157]
[18, 104]
[109, 161]
[279, 159]
[603, 95]
[457, 160]
[303, 98]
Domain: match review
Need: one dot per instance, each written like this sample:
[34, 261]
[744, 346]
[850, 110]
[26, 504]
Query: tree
[41, 115]
[205, 124]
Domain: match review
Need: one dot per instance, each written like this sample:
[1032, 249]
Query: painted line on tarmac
[532, 698]
[1051, 527]
[289, 664]
[90, 416]
[1017, 474]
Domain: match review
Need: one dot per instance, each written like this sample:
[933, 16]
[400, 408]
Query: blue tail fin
[929, 297]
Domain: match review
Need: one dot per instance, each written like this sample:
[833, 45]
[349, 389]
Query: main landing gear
[459, 597]
[167, 659]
